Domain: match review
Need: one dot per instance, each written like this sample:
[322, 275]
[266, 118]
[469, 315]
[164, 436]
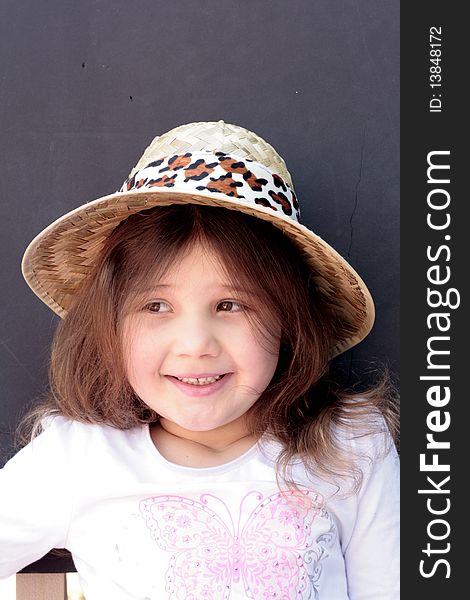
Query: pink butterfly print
[269, 555]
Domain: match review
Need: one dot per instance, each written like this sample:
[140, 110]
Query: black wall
[84, 86]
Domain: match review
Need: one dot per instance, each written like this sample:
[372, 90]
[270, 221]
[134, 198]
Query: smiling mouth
[199, 381]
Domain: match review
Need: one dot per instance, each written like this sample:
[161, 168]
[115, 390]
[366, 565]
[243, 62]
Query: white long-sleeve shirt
[142, 528]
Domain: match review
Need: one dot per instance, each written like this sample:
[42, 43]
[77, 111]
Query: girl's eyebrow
[227, 287]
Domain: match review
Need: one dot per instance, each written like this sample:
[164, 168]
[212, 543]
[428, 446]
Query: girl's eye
[157, 307]
[229, 306]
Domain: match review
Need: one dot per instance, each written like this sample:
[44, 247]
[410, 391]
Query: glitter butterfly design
[269, 556]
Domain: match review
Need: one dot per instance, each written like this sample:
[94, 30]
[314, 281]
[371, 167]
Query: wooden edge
[41, 586]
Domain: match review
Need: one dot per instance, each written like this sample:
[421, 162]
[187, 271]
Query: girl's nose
[196, 337]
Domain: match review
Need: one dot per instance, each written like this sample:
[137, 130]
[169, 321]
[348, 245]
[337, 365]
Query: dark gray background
[84, 86]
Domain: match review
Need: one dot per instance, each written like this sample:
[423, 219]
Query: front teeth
[199, 381]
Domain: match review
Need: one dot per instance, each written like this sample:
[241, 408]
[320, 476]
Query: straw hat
[208, 163]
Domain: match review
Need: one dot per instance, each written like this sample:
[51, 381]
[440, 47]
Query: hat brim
[61, 257]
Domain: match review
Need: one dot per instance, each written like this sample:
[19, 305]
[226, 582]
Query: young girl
[192, 445]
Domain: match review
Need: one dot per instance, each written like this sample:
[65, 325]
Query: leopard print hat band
[218, 174]
[206, 163]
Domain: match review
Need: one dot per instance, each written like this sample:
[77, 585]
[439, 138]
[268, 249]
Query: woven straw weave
[216, 137]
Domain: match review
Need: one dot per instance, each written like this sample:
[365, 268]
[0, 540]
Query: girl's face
[191, 353]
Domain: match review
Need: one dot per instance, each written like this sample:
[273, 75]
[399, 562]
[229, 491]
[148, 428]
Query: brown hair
[301, 408]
